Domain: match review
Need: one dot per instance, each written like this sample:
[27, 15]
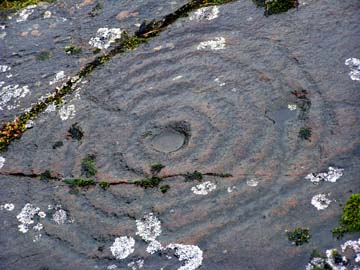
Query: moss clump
[156, 168]
[279, 6]
[10, 131]
[57, 144]
[164, 188]
[104, 185]
[350, 219]
[88, 166]
[133, 42]
[46, 175]
[196, 175]
[76, 132]
[42, 56]
[299, 236]
[149, 182]
[71, 49]
[305, 133]
[96, 51]
[13, 5]
[80, 182]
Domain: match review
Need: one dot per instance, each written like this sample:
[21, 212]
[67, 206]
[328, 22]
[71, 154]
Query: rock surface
[223, 86]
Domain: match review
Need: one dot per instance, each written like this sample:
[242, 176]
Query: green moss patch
[72, 50]
[156, 168]
[305, 133]
[279, 6]
[104, 185]
[88, 166]
[191, 176]
[164, 188]
[149, 182]
[13, 5]
[80, 182]
[350, 219]
[299, 236]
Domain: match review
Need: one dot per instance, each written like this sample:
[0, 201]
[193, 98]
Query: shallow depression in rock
[168, 141]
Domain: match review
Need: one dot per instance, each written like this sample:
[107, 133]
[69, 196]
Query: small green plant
[42, 56]
[76, 132]
[88, 166]
[299, 236]
[80, 182]
[305, 133]
[57, 144]
[156, 168]
[164, 188]
[279, 6]
[350, 219]
[71, 49]
[104, 185]
[193, 176]
[149, 182]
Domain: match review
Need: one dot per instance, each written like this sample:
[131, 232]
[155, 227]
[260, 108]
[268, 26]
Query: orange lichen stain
[85, 3]
[287, 206]
[126, 14]
[36, 33]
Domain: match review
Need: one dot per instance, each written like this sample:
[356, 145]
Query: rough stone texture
[230, 103]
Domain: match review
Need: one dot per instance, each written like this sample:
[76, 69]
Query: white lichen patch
[25, 217]
[51, 108]
[252, 182]
[203, 188]
[320, 201]
[47, 14]
[206, 13]
[67, 112]
[104, 37]
[354, 65]
[29, 124]
[38, 227]
[4, 68]
[60, 76]
[149, 227]
[112, 267]
[24, 14]
[136, 264]
[37, 238]
[60, 216]
[336, 264]
[42, 214]
[217, 44]
[355, 246]
[177, 78]
[191, 255]
[220, 83]
[332, 175]
[153, 247]
[2, 162]
[10, 92]
[231, 189]
[316, 263]
[292, 107]
[7, 206]
[122, 247]
[337, 259]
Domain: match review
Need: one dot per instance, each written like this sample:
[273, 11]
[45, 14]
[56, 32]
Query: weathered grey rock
[227, 97]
